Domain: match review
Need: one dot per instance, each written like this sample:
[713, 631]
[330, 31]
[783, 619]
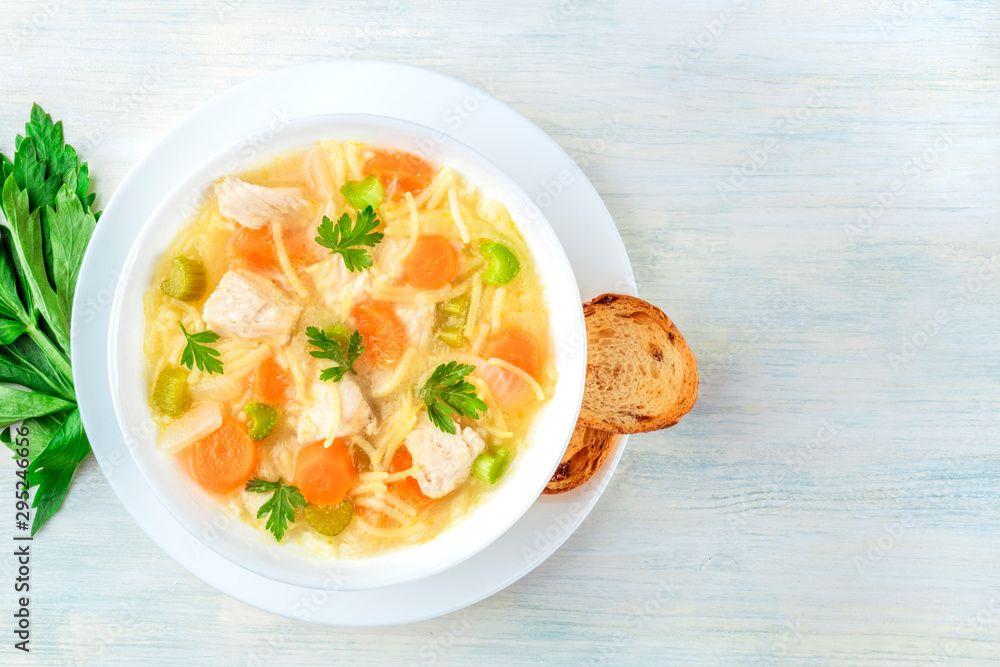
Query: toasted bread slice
[641, 375]
[585, 453]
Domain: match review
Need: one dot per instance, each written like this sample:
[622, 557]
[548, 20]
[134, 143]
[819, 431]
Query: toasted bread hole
[605, 333]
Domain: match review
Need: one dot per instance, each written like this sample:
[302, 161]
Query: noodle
[336, 408]
[498, 433]
[495, 311]
[401, 475]
[379, 505]
[494, 410]
[402, 427]
[352, 162]
[366, 447]
[437, 296]
[286, 264]
[484, 331]
[394, 502]
[477, 295]
[457, 215]
[433, 193]
[367, 487]
[414, 228]
[511, 368]
[336, 156]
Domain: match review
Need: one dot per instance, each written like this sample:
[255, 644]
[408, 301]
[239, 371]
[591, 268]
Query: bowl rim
[198, 181]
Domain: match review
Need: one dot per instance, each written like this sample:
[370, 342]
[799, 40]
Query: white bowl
[254, 549]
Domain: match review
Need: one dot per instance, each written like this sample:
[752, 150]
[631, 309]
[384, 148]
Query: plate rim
[270, 595]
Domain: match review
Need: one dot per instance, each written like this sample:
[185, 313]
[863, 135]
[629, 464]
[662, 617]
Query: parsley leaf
[333, 349]
[447, 393]
[52, 469]
[342, 238]
[280, 507]
[197, 353]
[27, 243]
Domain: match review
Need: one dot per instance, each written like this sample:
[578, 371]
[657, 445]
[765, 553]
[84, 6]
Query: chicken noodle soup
[348, 346]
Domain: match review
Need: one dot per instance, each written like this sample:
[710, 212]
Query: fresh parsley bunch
[47, 224]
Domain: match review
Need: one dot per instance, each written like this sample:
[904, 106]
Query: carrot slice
[301, 246]
[432, 263]
[517, 347]
[225, 459]
[411, 173]
[407, 489]
[254, 249]
[324, 475]
[383, 332]
[509, 391]
[272, 384]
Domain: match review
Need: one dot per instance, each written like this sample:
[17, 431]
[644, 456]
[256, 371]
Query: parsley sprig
[447, 393]
[196, 352]
[280, 507]
[344, 238]
[332, 348]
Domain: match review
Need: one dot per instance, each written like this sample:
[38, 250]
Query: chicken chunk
[388, 258]
[338, 287]
[419, 323]
[444, 460]
[316, 418]
[250, 306]
[254, 205]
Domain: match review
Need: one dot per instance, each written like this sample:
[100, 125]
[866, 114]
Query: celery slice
[451, 317]
[501, 264]
[457, 307]
[489, 467]
[262, 419]
[360, 194]
[332, 520]
[187, 280]
[337, 332]
[451, 337]
[171, 394]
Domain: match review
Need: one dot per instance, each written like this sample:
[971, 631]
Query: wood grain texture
[809, 190]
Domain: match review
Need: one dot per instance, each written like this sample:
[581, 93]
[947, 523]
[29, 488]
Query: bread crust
[584, 455]
[641, 374]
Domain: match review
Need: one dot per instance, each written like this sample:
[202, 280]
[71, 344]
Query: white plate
[255, 108]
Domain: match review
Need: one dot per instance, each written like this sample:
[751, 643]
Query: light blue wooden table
[810, 190]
